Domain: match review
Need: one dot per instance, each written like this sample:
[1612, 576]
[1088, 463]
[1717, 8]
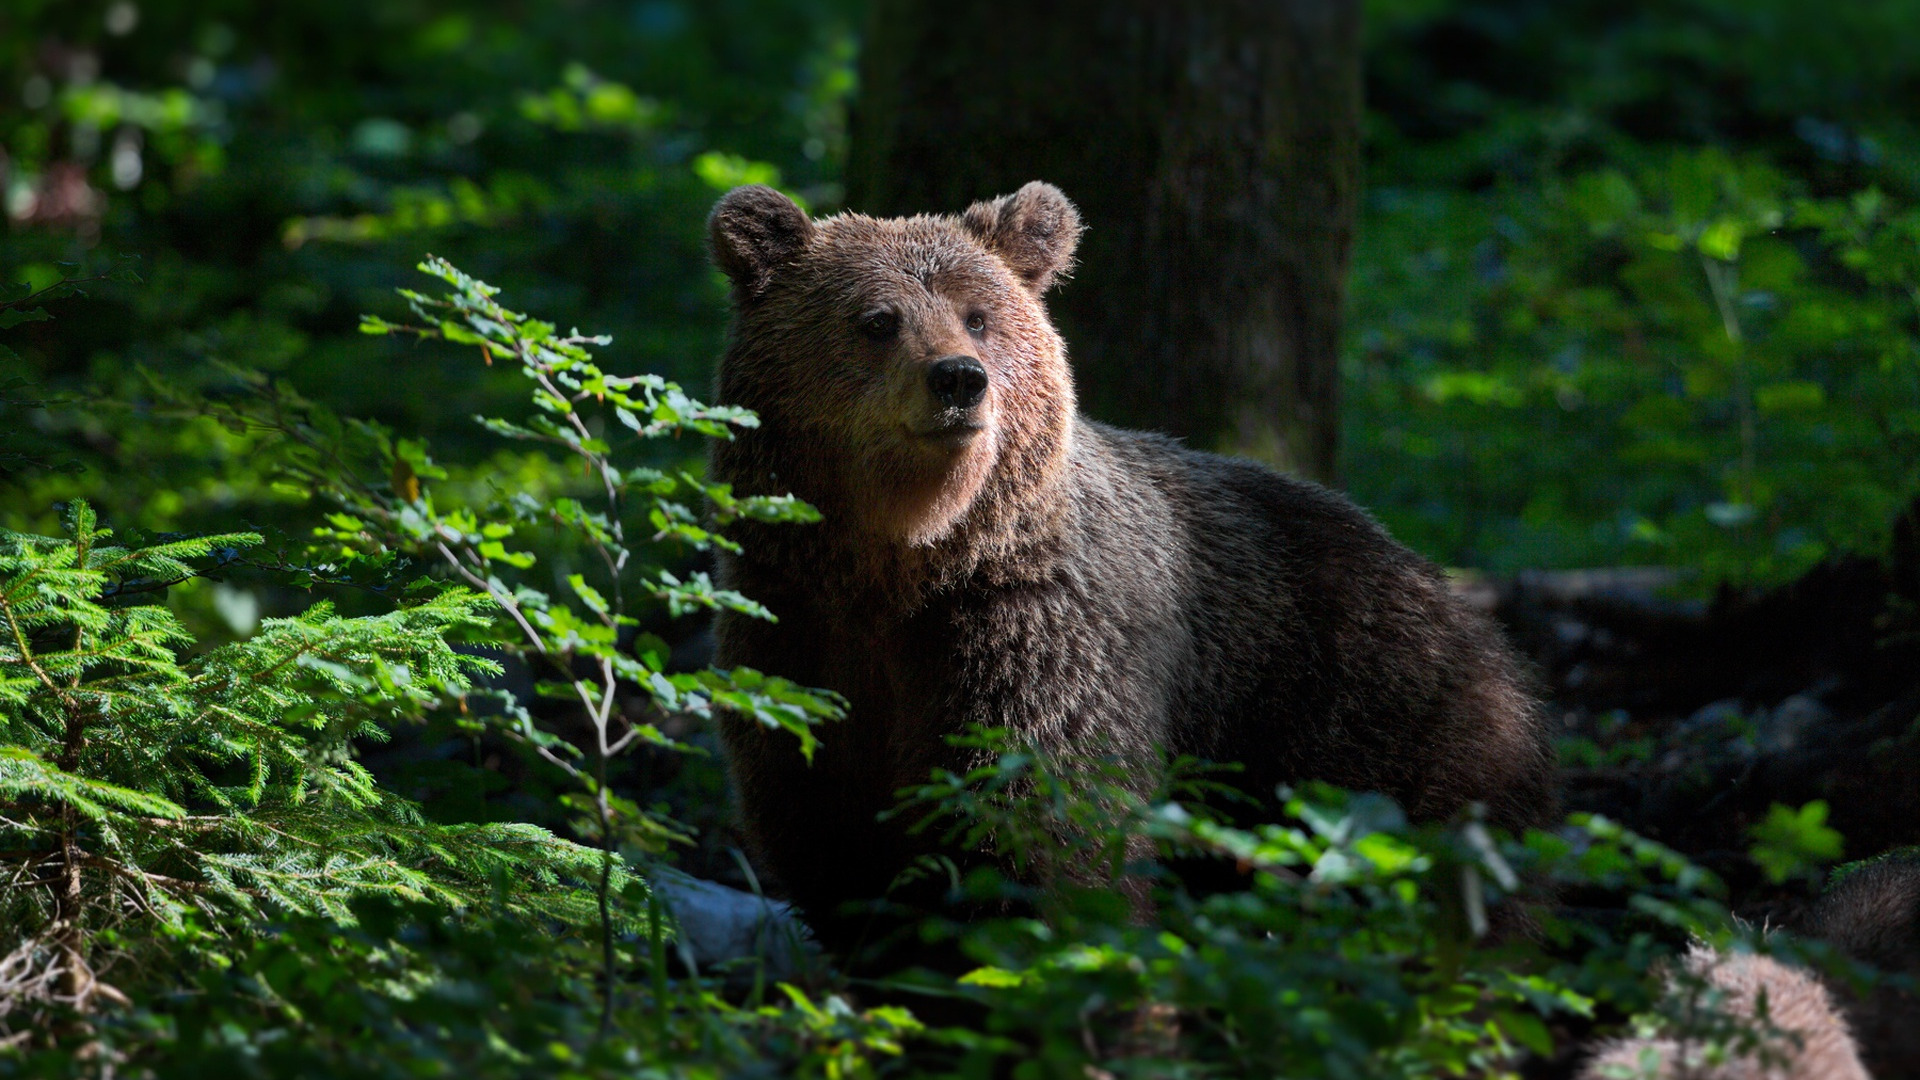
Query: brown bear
[988, 556]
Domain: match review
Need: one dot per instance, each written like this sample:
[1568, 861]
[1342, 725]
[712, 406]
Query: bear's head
[906, 375]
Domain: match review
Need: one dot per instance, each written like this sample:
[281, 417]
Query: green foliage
[20, 302]
[1908, 854]
[1793, 843]
[473, 541]
[406, 991]
[279, 167]
[584, 656]
[149, 798]
[1348, 944]
[171, 807]
[1618, 315]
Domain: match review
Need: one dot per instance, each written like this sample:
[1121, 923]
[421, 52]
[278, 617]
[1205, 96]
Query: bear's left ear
[1034, 229]
[755, 230]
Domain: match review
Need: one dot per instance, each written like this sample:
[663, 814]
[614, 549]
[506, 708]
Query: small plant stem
[601, 711]
[609, 478]
[605, 894]
[1722, 280]
[70, 902]
[657, 953]
[68, 906]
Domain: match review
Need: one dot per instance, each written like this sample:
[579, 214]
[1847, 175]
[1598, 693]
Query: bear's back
[1319, 647]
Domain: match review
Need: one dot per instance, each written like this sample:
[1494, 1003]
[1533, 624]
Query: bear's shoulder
[1215, 496]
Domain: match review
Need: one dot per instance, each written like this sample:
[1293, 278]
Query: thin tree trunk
[69, 911]
[1213, 149]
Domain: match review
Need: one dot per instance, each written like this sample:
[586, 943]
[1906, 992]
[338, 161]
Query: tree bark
[1213, 149]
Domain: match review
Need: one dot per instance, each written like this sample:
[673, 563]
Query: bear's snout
[957, 382]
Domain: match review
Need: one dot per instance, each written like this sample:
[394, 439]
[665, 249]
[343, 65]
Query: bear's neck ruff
[918, 492]
[996, 517]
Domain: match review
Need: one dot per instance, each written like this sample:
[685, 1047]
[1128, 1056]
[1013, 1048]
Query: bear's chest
[1057, 659]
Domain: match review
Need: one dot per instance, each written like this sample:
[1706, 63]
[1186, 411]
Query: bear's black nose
[959, 382]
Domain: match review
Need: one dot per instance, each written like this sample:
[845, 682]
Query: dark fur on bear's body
[1873, 915]
[1011, 563]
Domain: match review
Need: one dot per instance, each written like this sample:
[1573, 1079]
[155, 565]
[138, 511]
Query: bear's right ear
[1034, 229]
[755, 230]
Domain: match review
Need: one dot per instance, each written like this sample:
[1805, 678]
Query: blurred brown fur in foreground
[1805, 1037]
[1872, 914]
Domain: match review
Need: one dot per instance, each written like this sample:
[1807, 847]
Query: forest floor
[1688, 720]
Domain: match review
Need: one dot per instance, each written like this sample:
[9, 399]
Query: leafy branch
[594, 648]
[20, 302]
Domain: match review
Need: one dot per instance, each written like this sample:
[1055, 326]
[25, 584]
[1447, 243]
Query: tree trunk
[1213, 149]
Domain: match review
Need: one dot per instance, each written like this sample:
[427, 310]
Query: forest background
[1632, 287]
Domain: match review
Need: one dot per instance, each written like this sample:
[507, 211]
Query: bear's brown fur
[1009, 562]
[1806, 1038]
[1873, 916]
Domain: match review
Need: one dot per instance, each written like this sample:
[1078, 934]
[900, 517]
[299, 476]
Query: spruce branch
[119, 756]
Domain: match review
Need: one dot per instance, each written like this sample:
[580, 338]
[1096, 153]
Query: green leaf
[1795, 396]
[997, 978]
[1790, 843]
[1528, 1030]
[1721, 240]
[589, 595]
[12, 317]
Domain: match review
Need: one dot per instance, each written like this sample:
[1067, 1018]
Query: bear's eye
[976, 322]
[879, 325]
